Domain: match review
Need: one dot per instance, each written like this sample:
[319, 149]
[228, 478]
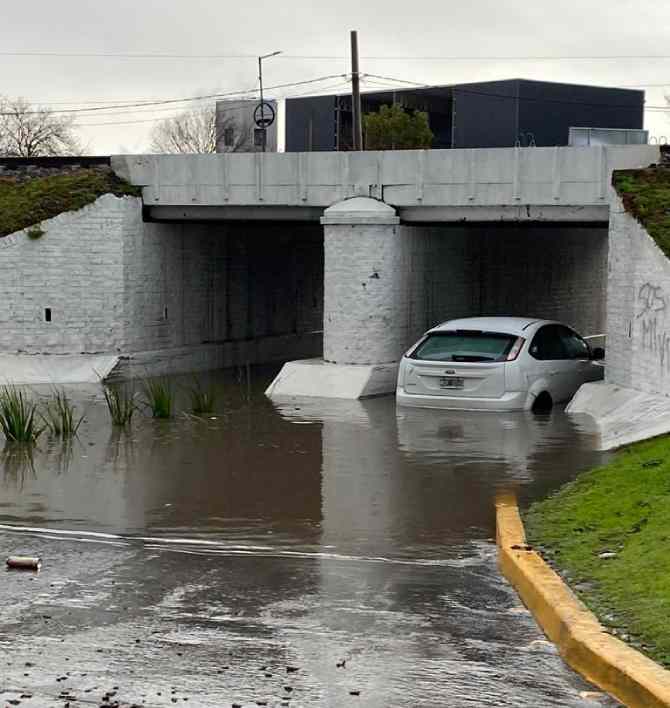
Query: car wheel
[543, 403]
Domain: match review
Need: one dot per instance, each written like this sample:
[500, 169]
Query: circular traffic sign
[264, 115]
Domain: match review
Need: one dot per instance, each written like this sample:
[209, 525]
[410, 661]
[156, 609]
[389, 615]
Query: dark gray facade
[484, 114]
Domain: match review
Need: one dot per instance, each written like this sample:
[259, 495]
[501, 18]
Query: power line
[339, 57]
[231, 108]
[180, 100]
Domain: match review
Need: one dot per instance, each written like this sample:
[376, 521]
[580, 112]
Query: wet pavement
[309, 553]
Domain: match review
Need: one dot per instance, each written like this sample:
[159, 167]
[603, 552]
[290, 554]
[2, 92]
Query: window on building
[228, 137]
[258, 137]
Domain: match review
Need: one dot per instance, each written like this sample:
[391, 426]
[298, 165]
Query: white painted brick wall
[385, 285]
[76, 270]
[108, 279]
[638, 308]
[429, 274]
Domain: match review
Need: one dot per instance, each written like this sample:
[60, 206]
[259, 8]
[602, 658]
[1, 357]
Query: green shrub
[18, 416]
[121, 404]
[59, 416]
[159, 397]
[35, 232]
[203, 400]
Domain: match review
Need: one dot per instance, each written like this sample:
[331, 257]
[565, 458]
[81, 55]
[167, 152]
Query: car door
[583, 368]
[550, 363]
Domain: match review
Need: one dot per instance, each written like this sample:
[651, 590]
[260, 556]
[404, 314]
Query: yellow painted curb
[607, 662]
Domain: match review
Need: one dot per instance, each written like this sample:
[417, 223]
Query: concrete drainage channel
[581, 640]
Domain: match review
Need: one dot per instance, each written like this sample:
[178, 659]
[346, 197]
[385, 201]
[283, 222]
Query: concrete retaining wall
[76, 270]
[638, 325]
[111, 283]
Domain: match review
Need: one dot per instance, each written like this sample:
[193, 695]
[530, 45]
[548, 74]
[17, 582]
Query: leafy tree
[29, 131]
[393, 128]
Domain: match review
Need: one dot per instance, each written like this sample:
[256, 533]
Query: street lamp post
[260, 81]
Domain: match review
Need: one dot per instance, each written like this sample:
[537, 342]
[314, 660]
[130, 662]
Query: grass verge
[29, 202]
[646, 195]
[608, 532]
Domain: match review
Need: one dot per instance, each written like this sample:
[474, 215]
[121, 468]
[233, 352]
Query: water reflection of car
[496, 363]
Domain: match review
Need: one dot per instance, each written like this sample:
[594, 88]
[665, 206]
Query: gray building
[477, 115]
[236, 130]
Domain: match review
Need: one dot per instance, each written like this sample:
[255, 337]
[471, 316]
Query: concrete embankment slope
[633, 402]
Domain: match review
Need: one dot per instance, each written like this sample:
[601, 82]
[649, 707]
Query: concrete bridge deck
[565, 184]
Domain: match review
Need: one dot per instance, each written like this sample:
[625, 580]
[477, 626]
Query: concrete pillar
[365, 307]
[362, 252]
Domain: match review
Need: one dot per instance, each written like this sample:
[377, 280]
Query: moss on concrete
[609, 534]
[646, 195]
[26, 202]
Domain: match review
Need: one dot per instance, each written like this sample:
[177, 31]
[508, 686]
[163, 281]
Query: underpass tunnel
[556, 271]
[253, 288]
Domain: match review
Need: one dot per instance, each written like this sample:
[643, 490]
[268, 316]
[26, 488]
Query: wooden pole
[356, 94]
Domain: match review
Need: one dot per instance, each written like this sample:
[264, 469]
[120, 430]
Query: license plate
[451, 382]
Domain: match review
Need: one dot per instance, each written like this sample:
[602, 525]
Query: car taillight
[516, 348]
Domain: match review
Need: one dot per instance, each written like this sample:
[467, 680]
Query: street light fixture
[260, 81]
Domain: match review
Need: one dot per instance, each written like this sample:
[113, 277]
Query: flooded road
[310, 553]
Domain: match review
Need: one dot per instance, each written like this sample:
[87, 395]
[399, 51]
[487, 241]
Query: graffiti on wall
[651, 310]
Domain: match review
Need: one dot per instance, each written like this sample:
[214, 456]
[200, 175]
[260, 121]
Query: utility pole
[356, 94]
[264, 134]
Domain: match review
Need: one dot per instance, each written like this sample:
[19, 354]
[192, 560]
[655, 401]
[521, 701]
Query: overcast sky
[421, 32]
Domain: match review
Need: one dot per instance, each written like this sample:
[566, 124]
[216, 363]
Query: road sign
[264, 115]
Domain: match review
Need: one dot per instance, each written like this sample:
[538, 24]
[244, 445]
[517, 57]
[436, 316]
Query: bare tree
[29, 131]
[198, 131]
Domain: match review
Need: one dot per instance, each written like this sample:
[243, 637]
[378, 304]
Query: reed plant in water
[120, 403]
[159, 397]
[18, 416]
[203, 400]
[59, 416]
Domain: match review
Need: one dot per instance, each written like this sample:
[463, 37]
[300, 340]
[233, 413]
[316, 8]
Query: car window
[574, 345]
[464, 345]
[547, 344]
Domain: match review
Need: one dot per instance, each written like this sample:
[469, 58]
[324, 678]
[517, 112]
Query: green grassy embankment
[608, 533]
[24, 203]
[646, 195]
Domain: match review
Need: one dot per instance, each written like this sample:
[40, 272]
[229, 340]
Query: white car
[496, 363]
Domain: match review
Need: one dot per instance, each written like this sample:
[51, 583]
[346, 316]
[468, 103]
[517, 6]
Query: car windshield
[465, 346]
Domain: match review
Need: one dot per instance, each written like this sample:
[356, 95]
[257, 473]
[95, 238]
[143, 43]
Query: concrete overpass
[235, 259]
[560, 184]
[409, 238]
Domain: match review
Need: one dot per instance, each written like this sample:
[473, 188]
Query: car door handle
[554, 372]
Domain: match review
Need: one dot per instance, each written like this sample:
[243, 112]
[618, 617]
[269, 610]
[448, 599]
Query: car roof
[520, 326]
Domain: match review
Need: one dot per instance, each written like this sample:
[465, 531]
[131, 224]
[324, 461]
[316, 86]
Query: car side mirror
[597, 354]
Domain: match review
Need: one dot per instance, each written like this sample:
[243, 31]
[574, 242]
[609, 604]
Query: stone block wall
[638, 316]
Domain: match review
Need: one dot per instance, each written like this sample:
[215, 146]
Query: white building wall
[638, 316]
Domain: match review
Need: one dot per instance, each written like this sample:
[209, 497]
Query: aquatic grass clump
[159, 397]
[203, 400]
[18, 416]
[121, 404]
[59, 416]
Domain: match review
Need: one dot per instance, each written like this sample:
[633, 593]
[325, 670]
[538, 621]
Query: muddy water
[302, 554]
